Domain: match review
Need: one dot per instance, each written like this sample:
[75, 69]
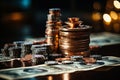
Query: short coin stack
[74, 38]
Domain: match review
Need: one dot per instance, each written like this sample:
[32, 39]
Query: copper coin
[66, 40]
[74, 33]
[81, 28]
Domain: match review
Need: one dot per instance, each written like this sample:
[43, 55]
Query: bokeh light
[107, 18]
[114, 15]
[96, 16]
[116, 4]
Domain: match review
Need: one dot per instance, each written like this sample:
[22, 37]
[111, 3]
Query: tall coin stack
[74, 38]
[53, 24]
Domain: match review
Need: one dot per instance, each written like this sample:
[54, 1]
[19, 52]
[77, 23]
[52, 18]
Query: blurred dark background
[21, 19]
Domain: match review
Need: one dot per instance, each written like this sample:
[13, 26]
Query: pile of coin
[74, 38]
[53, 24]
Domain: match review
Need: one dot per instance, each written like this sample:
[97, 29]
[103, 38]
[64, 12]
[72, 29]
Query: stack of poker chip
[75, 38]
[53, 24]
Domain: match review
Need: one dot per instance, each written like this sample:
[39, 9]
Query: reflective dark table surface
[101, 73]
[104, 73]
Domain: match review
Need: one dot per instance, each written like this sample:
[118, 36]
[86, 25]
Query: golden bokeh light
[114, 15]
[96, 16]
[116, 3]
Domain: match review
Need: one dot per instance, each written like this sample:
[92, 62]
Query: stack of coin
[15, 52]
[38, 50]
[26, 49]
[5, 50]
[26, 53]
[74, 38]
[12, 50]
[53, 24]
